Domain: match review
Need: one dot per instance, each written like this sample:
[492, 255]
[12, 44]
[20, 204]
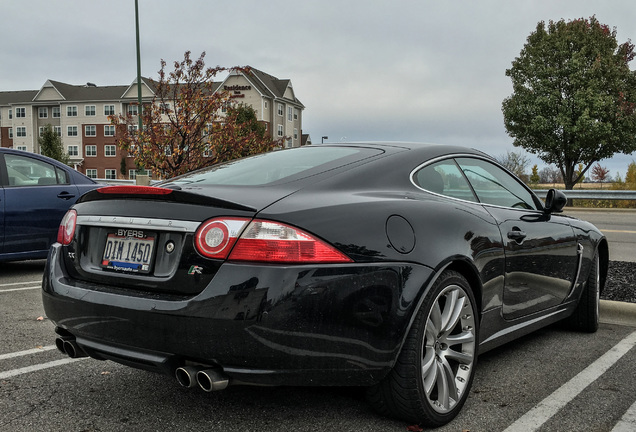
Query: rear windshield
[277, 166]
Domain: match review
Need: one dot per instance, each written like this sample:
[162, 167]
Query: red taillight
[66, 231]
[215, 238]
[263, 241]
[134, 190]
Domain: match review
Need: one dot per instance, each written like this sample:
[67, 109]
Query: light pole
[324, 137]
[138, 66]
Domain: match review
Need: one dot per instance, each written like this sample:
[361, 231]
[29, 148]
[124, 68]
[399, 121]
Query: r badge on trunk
[195, 270]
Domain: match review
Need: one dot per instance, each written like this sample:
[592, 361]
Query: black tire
[434, 371]
[586, 315]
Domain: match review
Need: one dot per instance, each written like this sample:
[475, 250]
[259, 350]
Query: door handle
[65, 195]
[517, 235]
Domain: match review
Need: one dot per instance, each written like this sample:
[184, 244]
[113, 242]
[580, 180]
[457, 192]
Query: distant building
[79, 114]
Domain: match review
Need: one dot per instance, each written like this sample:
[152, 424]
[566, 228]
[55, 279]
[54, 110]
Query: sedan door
[542, 254]
[36, 196]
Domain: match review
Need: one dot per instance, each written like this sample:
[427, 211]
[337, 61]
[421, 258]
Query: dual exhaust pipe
[208, 379]
[188, 376]
[68, 345]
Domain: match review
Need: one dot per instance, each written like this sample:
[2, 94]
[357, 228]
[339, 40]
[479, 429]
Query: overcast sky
[365, 70]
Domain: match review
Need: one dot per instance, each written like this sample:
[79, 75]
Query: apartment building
[79, 114]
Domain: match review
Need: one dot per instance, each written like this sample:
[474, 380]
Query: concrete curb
[614, 312]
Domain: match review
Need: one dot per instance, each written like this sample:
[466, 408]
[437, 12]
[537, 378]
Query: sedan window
[26, 171]
[494, 185]
[444, 178]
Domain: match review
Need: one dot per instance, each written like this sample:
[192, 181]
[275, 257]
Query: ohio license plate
[128, 254]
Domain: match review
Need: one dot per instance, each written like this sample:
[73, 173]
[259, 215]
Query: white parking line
[28, 369]
[548, 407]
[628, 422]
[20, 289]
[21, 283]
[26, 352]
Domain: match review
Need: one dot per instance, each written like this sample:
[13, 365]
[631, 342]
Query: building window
[40, 131]
[89, 110]
[265, 105]
[109, 130]
[111, 174]
[109, 110]
[132, 174]
[90, 130]
[280, 110]
[290, 113]
[55, 112]
[10, 133]
[91, 173]
[91, 150]
[280, 130]
[20, 131]
[58, 130]
[71, 131]
[167, 150]
[43, 112]
[295, 133]
[21, 147]
[73, 150]
[109, 150]
[71, 111]
[133, 110]
[165, 108]
[10, 113]
[20, 112]
[295, 114]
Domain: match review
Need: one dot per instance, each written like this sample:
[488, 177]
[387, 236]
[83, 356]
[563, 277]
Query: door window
[494, 185]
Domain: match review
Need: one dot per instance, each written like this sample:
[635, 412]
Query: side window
[26, 171]
[444, 178]
[495, 186]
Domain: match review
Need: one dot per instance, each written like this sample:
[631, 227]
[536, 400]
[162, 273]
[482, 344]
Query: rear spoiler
[130, 192]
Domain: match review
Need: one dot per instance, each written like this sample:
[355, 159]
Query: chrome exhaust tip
[72, 349]
[59, 344]
[212, 380]
[187, 375]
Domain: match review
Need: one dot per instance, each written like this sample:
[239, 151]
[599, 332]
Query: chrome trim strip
[139, 223]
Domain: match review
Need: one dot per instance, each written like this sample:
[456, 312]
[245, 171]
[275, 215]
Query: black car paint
[349, 320]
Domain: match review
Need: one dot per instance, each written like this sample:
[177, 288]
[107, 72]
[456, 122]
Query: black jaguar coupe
[388, 266]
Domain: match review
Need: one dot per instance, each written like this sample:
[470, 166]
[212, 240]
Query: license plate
[128, 254]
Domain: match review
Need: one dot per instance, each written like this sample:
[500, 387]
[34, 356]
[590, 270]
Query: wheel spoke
[460, 357]
[446, 386]
[434, 324]
[452, 310]
[429, 370]
[461, 338]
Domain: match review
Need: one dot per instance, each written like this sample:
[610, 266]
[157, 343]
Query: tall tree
[184, 126]
[51, 145]
[574, 96]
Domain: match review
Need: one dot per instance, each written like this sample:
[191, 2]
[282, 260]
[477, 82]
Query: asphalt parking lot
[552, 380]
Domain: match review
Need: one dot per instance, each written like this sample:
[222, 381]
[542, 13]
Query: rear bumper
[284, 325]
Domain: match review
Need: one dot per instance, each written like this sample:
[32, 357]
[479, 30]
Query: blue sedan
[35, 192]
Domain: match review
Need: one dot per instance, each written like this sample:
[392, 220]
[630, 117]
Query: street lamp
[323, 139]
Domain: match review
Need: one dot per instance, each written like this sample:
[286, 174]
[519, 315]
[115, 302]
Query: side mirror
[555, 200]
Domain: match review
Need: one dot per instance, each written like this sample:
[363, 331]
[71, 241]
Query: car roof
[425, 151]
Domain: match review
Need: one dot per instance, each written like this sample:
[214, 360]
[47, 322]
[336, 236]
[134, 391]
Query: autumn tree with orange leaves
[184, 128]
